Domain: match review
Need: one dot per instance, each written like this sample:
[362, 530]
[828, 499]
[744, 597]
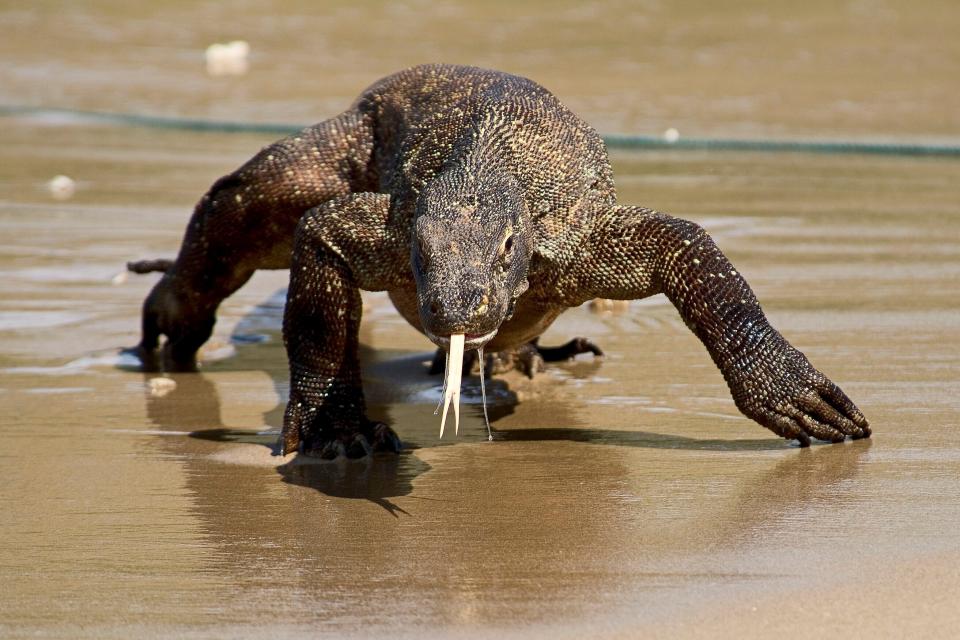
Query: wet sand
[621, 498]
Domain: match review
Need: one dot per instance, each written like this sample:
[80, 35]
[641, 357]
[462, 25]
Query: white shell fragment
[671, 135]
[160, 387]
[451, 390]
[62, 187]
[230, 59]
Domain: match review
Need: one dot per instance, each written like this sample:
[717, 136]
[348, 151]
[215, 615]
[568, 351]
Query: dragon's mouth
[470, 340]
[455, 345]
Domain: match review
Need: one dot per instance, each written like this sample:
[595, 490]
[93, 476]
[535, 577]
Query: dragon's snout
[464, 310]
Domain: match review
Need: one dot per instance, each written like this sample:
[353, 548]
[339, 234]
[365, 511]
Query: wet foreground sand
[622, 497]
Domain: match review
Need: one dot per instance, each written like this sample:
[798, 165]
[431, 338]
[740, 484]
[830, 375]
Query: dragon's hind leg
[246, 222]
[528, 358]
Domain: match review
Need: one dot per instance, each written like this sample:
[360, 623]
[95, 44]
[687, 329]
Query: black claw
[331, 450]
[358, 448]
[385, 440]
[530, 363]
[352, 445]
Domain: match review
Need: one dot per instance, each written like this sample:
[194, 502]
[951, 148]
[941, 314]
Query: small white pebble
[230, 59]
[671, 135]
[119, 279]
[160, 387]
[62, 187]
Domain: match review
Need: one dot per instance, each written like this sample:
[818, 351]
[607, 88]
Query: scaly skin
[483, 206]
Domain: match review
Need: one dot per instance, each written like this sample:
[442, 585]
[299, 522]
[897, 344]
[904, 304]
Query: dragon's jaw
[470, 341]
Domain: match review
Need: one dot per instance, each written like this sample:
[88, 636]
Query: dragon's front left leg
[634, 253]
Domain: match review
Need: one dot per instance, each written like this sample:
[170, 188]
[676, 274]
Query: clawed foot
[187, 322]
[787, 395]
[316, 434]
[528, 359]
[353, 445]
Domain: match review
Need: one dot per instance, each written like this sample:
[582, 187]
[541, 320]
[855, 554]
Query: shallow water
[620, 497]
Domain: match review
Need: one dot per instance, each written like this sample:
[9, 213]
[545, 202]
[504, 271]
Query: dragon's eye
[421, 254]
[508, 244]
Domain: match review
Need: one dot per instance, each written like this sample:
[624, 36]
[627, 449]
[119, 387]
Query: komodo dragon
[485, 208]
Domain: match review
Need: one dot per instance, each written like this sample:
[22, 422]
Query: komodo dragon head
[471, 248]
[470, 253]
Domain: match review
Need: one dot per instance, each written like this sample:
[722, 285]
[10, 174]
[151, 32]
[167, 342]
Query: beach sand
[621, 497]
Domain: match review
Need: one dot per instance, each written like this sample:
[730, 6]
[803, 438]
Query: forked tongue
[451, 385]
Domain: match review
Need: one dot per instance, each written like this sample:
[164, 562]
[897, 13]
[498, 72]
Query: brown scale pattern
[479, 202]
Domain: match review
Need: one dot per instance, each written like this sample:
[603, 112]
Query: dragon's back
[429, 116]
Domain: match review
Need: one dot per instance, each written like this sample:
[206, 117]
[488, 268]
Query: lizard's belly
[530, 319]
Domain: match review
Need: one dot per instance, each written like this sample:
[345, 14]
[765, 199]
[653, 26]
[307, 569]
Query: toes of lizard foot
[382, 439]
[585, 345]
[786, 423]
[385, 439]
[149, 360]
[329, 450]
[497, 363]
[534, 368]
[818, 429]
[819, 408]
[531, 363]
[835, 398]
[358, 447]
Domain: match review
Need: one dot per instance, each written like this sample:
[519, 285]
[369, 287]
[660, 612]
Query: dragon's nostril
[434, 309]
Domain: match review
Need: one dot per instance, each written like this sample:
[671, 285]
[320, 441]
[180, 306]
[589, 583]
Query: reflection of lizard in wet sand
[485, 208]
[391, 517]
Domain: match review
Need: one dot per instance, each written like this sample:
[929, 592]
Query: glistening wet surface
[621, 497]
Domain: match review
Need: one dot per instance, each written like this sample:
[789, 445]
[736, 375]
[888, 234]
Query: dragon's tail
[147, 266]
